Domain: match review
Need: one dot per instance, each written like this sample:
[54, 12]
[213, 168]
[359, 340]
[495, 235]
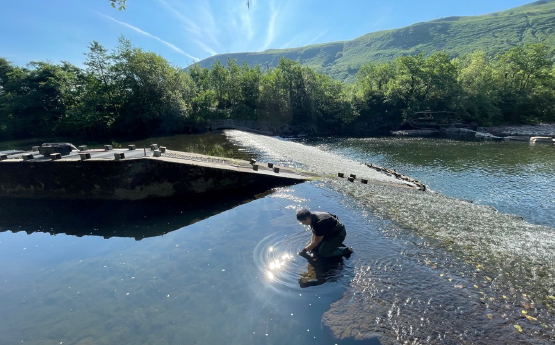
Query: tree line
[129, 92]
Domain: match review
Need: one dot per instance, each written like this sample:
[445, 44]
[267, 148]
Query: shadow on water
[320, 270]
[135, 219]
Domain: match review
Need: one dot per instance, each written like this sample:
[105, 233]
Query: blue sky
[183, 31]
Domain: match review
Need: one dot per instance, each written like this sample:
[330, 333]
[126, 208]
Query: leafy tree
[250, 85]
[219, 80]
[119, 4]
[135, 93]
[245, 88]
[374, 77]
[274, 103]
[407, 88]
[522, 74]
[440, 82]
[152, 92]
[234, 95]
[5, 97]
[203, 97]
[99, 107]
[478, 95]
[332, 107]
[40, 96]
[294, 83]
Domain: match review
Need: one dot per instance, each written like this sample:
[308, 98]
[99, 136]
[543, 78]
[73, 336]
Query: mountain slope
[494, 33]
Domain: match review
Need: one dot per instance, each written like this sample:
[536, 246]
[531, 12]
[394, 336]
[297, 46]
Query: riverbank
[544, 129]
[283, 130]
[531, 133]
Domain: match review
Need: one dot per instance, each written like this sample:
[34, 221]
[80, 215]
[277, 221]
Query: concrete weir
[132, 174]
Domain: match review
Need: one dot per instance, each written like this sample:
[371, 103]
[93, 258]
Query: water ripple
[497, 270]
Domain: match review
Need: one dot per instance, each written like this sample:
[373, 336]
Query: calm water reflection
[206, 283]
[135, 219]
[229, 274]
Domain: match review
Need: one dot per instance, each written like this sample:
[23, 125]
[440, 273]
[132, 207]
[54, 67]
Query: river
[471, 262]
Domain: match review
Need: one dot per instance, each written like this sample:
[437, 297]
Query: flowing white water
[498, 271]
[294, 154]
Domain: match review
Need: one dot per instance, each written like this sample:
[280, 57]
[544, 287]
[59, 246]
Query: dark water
[206, 283]
[227, 273]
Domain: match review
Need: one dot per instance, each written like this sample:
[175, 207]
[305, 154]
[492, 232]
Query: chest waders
[330, 245]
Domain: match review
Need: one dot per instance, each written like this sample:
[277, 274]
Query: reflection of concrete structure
[131, 174]
[133, 219]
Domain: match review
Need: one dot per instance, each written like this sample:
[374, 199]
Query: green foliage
[522, 75]
[516, 87]
[130, 92]
[477, 100]
[495, 34]
[119, 4]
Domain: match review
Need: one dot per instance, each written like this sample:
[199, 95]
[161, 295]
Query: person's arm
[314, 241]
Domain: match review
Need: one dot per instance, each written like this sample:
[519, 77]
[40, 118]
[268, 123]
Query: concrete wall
[127, 179]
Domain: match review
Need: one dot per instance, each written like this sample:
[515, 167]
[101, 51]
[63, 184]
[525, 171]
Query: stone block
[27, 156]
[276, 170]
[132, 147]
[83, 148]
[153, 147]
[119, 155]
[255, 167]
[157, 153]
[64, 149]
[108, 147]
[341, 175]
[84, 156]
[56, 156]
[163, 149]
[47, 151]
[270, 165]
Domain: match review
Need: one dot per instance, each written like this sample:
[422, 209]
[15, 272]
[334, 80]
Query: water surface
[514, 177]
[427, 268]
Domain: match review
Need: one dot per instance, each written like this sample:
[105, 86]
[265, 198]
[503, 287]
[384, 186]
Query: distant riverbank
[544, 129]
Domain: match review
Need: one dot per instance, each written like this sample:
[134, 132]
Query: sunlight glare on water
[462, 272]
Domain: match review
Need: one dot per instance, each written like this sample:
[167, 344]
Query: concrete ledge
[133, 179]
[541, 140]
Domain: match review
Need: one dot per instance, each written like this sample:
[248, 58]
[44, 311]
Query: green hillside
[494, 33]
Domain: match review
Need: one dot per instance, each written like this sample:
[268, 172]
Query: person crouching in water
[328, 235]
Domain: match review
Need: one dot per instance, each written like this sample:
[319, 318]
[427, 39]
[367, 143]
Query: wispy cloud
[205, 47]
[136, 29]
[382, 16]
[270, 35]
[316, 38]
[241, 20]
[190, 25]
[205, 35]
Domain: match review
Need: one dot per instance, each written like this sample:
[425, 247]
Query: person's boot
[347, 252]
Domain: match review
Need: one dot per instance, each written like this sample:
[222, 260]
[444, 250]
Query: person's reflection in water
[326, 250]
[320, 270]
